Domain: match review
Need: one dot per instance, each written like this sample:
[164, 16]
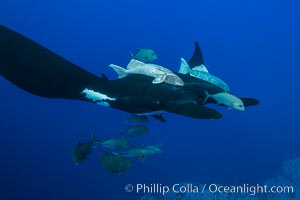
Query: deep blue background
[253, 45]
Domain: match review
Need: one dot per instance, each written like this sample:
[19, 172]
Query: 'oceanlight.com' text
[157, 188]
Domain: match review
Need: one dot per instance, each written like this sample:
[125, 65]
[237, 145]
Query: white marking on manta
[97, 97]
[103, 103]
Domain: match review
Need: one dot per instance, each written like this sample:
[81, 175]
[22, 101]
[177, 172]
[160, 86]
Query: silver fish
[112, 143]
[115, 143]
[142, 152]
[227, 99]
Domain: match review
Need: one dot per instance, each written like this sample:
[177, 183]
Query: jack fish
[142, 152]
[113, 143]
[137, 118]
[144, 55]
[81, 151]
[133, 131]
[115, 163]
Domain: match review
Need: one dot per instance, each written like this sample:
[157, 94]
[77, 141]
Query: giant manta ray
[41, 72]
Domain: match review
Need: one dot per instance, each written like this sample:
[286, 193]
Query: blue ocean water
[253, 45]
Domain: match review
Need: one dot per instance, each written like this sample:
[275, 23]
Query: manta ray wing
[39, 71]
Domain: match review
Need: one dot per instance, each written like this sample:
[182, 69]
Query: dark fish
[137, 118]
[144, 55]
[115, 163]
[81, 151]
[133, 131]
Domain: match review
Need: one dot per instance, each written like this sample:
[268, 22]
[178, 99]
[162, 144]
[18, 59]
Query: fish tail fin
[95, 139]
[119, 70]
[184, 67]
[206, 96]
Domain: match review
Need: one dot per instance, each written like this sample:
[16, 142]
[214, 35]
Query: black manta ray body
[41, 72]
